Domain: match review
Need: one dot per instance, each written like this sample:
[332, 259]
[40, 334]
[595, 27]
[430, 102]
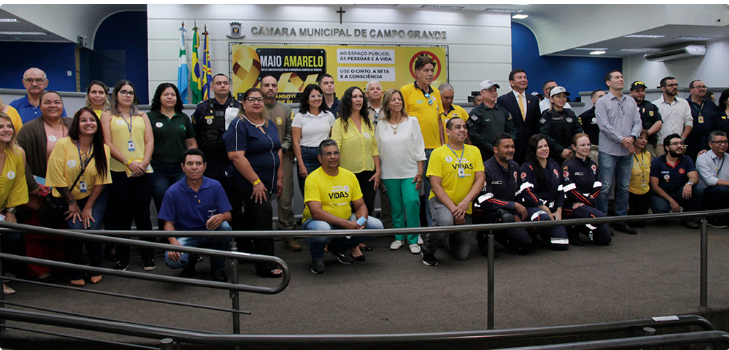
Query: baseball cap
[557, 90]
[487, 84]
[637, 84]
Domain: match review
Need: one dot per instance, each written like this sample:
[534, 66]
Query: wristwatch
[11, 210]
[689, 183]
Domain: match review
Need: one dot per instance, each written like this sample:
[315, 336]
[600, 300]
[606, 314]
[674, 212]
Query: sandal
[270, 273]
[79, 282]
[95, 279]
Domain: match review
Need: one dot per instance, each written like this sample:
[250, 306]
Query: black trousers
[638, 204]
[256, 217]
[131, 197]
[368, 190]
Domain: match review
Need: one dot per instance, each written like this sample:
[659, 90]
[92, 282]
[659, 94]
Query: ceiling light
[644, 36]
[637, 50]
[597, 52]
[519, 16]
[695, 37]
[8, 20]
[436, 7]
[22, 33]
[498, 10]
[590, 48]
[377, 5]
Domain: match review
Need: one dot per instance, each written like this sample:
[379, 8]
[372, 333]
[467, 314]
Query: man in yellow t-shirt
[456, 174]
[450, 110]
[328, 192]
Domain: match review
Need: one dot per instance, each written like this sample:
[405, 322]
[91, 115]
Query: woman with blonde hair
[12, 113]
[402, 154]
[13, 188]
[97, 97]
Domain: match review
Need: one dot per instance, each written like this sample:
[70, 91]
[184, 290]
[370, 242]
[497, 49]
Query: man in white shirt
[713, 170]
[675, 112]
[546, 104]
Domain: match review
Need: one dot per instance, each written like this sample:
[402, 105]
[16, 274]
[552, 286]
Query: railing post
[234, 294]
[704, 260]
[490, 318]
[168, 344]
[2, 294]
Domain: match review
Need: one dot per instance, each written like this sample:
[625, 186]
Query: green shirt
[170, 136]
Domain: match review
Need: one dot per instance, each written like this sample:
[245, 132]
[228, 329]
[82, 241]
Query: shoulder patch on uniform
[542, 121]
[523, 175]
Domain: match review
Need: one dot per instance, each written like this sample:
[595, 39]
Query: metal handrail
[288, 339]
[639, 342]
[137, 346]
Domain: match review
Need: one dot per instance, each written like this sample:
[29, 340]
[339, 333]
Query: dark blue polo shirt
[261, 151]
[27, 111]
[190, 210]
[672, 178]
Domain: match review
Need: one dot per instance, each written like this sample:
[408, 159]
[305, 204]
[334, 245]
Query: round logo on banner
[11, 175]
[367, 135]
[682, 171]
[71, 163]
[159, 124]
[556, 173]
[52, 138]
[438, 65]
[448, 159]
[523, 175]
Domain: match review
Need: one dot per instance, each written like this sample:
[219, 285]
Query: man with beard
[524, 110]
[675, 112]
[673, 181]
[282, 115]
[326, 83]
[649, 114]
[703, 112]
[456, 175]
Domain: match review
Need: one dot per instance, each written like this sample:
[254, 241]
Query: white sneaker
[415, 249]
[396, 245]
[420, 240]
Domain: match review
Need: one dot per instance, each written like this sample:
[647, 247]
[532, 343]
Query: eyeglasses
[671, 85]
[721, 142]
[254, 99]
[126, 93]
[330, 154]
[700, 87]
[37, 80]
[677, 143]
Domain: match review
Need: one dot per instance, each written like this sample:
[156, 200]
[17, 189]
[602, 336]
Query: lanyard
[427, 95]
[83, 164]
[129, 125]
[718, 169]
[642, 160]
[454, 153]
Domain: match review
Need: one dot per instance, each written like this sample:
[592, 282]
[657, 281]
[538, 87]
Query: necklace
[394, 127]
[256, 125]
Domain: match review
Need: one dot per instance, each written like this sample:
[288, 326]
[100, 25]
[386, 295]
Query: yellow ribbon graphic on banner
[246, 66]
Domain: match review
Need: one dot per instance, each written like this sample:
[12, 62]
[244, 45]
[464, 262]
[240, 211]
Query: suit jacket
[524, 128]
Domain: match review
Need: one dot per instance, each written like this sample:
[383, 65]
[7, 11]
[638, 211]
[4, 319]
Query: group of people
[510, 159]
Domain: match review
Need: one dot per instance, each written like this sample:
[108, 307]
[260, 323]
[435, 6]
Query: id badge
[82, 187]
[130, 146]
[642, 182]
[461, 172]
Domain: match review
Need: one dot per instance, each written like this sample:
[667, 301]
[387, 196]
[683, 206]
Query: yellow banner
[296, 66]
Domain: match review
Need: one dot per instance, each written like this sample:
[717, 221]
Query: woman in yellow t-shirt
[13, 114]
[128, 133]
[97, 97]
[639, 190]
[13, 188]
[78, 170]
[355, 135]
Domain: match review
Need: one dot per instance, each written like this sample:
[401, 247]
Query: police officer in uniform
[210, 120]
[488, 119]
[589, 124]
[705, 119]
[559, 125]
[649, 114]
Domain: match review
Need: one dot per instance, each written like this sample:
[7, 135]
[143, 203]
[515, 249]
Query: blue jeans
[219, 243]
[164, 176]
[74, 247]
[310, 157]
[619, 167]
[426, 188]
[339, 243]
[660, 205]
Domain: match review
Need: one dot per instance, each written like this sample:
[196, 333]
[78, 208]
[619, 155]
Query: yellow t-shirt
[65, 165]
[457, 111]
[13, 188]
[356, 148]
[429, 115]
[15, 118]
[333, 192]
[641, 174]
[98, 113]
[120, 138]
[444, 163]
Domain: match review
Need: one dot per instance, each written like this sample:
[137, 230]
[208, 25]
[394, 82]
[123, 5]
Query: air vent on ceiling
[676, 53]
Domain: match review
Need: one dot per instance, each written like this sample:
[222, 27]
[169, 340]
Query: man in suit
[524, 110]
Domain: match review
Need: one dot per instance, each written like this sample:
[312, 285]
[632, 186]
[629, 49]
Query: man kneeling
[196, 203]
[328, 192]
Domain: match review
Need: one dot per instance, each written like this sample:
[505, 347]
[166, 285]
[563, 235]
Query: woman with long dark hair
[354, 133]
[78, 170]
[128, 134]
[254, 149]
[97, 97]
[312, 125]
[173, 135]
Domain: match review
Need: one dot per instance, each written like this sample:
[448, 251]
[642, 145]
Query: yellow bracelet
[256, 182]
[129, 161]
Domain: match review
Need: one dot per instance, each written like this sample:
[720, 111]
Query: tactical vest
[211, 132]
[562, 128]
